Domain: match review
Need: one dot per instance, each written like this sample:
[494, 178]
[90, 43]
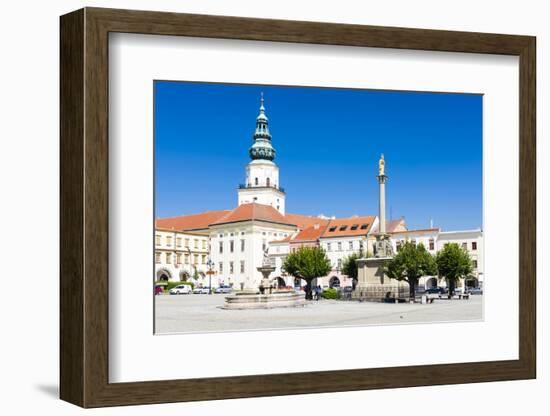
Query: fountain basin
[277, 299]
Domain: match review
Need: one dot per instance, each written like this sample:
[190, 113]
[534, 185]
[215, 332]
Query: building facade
[180, 256]
[471, 241]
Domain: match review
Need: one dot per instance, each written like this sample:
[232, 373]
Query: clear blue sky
[328, 143]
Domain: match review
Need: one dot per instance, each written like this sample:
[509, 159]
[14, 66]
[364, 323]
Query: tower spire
[262, 147]
[262, 108]
[262, 174]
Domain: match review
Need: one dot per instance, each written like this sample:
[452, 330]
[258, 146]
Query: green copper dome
[262, 148]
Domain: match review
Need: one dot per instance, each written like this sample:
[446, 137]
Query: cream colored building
[180, 255]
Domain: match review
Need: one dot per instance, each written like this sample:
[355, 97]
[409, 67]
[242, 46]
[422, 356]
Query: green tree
[411, 263]
[454, 263]
[307, 263]
[349, 265]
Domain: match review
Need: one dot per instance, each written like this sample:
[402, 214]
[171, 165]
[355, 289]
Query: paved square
[202, 313]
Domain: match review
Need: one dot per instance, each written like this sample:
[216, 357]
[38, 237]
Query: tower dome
[262, 148]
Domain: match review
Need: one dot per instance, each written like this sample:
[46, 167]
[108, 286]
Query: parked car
[435, 291]
[181, 290]
[223, 289]
[201, 290]
[476, 291]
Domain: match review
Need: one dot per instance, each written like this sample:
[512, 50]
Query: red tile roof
[311, 228]
[305, 221]
[253, 211]
[310, 233]
[419, 231]
[344, 227]
[190, 222]
[284, 240]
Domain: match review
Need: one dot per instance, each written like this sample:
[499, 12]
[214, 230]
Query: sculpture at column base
[374, 286]
[383, 247]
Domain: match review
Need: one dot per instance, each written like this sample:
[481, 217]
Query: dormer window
[343, 228]
[354, 227]
[332, 229]
[364, 226]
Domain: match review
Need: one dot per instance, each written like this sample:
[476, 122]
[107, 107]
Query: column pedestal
[374, 286]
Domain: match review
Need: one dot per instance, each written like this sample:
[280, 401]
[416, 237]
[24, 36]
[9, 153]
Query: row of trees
[411, 263]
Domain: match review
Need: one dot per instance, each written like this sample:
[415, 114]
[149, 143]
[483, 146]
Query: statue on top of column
[381, 164]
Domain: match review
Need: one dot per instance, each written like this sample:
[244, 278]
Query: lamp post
[210, 265]
[189, 254]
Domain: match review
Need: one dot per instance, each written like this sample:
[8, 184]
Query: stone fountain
[268, 295]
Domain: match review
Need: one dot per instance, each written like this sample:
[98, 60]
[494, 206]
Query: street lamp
[210, 265]
[189, 254]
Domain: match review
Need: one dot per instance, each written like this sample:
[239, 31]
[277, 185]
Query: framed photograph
[255, 207]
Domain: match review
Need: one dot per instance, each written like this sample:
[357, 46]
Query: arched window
[268, 181]
[255, 181]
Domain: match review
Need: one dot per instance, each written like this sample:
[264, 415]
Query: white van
[181, 290]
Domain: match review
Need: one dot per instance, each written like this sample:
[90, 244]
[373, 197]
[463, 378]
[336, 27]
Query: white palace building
[231, 243]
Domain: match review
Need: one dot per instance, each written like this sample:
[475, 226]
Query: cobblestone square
[203, 313]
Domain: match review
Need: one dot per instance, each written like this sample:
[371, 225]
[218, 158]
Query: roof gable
[346, 227]
[253, 212]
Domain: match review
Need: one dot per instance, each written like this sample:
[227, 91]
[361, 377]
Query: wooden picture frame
[84, 207]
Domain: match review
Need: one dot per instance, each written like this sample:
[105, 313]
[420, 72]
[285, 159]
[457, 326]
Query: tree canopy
[349, 265]
[307, 263]
[410, 263]
[453, 263]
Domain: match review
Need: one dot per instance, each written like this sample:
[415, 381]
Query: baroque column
[383, 247]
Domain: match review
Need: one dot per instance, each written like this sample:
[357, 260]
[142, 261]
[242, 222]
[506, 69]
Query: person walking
[317, 292]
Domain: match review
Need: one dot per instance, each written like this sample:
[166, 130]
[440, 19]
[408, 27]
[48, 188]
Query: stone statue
[381, 164]
[266, 261]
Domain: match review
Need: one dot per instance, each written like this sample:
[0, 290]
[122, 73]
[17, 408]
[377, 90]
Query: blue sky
[328, 143]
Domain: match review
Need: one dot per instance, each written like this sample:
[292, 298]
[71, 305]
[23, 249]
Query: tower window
[255, 181]
[267, 181]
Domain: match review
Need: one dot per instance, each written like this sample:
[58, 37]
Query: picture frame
[84, 216]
